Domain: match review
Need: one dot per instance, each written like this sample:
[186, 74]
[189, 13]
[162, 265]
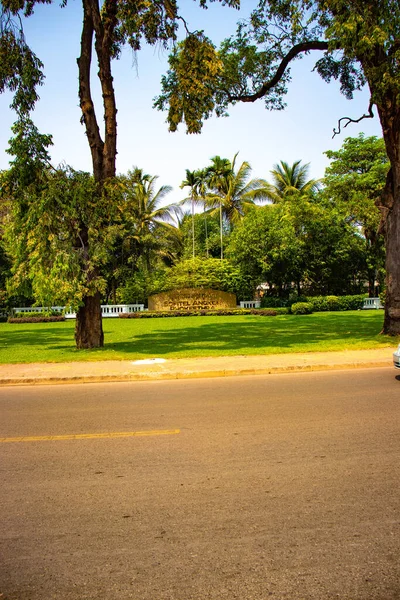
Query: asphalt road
[250, 488]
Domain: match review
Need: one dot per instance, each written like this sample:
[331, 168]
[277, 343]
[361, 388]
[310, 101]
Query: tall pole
[193, 223]
[220, 222]
[205, 223]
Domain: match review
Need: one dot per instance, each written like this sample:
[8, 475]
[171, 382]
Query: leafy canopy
[42, 235]
[359, 39]
[356, 178]
[354, 182]
[290, 181]
[232, 190]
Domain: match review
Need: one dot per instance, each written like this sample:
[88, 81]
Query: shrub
[272, 302]
[351, 302]
[214, 273]
[35, 313]
[282, 311]
[301, 308]
[35, 319]
[137, 288]
[223, 312]
[326, 303]
[319, 303]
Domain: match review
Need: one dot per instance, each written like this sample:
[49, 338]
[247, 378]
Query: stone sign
[192, 299]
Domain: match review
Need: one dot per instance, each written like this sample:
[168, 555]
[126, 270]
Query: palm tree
[291, 180]
[201, 189]
[144, 217]
[198, 182]
[233, 193]
[191, 182]
[219, 171]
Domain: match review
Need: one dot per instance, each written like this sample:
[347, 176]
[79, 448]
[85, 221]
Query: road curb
[195, 374]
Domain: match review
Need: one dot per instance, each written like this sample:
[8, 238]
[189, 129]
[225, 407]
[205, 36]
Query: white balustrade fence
[37, 309]
[372, 303]
[250, 303]
[107, 310]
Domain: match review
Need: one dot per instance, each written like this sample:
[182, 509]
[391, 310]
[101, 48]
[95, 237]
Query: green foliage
[141, 285]
[356, 178]
[301, 308]
[215, 84]
[334, 256]
[354, 181]
[226, 194]
[232, 191]
[223, 312]
[273, 302]
[264, 246]
[206, 235]
[20, 69]
[359, 40]
[318, 303]
[290, 181]
[31, 159]
[34, 318]
[327, 303]
[208, 273]
[59, 231]
[368, 32]
[147, 241]
[44, 316]
[323, 303]
[3, 301]
[155, 22]
[194, 66]
[43, 313]
[5, 266]
[147, 229]
[282, 245]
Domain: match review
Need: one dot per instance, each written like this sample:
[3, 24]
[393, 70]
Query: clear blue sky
[302, 131]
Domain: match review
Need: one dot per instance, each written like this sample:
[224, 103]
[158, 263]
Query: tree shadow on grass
[193, 336]
[256, 335]
[55, 335]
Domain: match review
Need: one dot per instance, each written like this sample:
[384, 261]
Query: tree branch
[348, 120]
[86, 103]
[104, 26]
[188, 32]
[293, 52]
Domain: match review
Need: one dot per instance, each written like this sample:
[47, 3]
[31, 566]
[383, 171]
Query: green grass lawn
[182, 337]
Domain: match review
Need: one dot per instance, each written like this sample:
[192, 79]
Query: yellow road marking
[88, 436]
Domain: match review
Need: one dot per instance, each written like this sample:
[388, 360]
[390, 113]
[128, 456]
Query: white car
[396, 358]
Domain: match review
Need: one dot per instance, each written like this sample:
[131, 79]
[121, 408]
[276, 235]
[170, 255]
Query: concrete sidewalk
[157, 369]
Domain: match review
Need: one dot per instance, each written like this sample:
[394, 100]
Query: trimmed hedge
[36, 319]
[37, 313]
[203, 313]
[326, 303]
[275, 302]
[301, 308]
[319, 303]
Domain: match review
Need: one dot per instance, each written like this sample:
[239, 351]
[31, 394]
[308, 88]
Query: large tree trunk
[89, 330]
[391, 324]
[389, 115]
[89, 327]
